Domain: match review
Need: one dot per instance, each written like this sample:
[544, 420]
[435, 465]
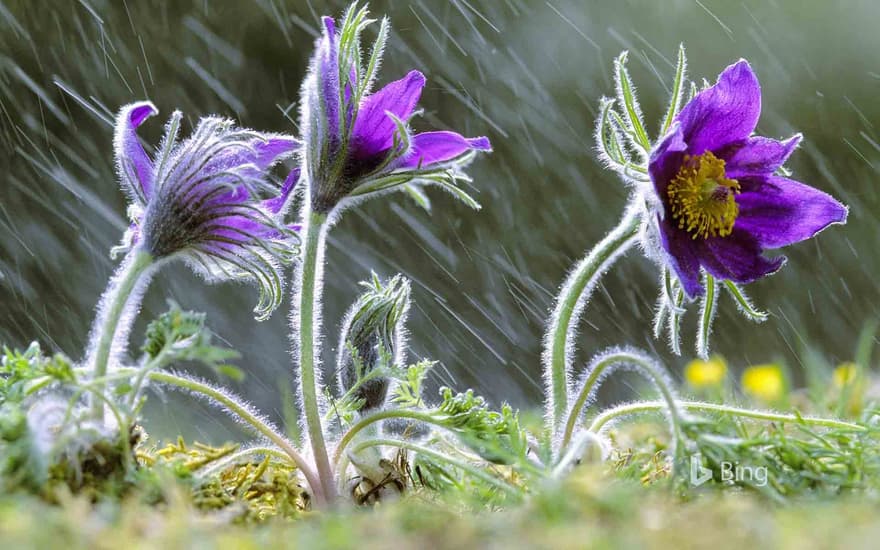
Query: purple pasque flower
[720, 202]
[208, 199]
[358, 142]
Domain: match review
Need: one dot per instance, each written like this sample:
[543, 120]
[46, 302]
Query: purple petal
[134, 233]
[436, 147]
[276, 204]
[682, 251]
[253, 159]
[757, 156]
[373, 129]
[275, 148]
[243, 162]
[666, 159]
[778, 211]
[724, 113]
[736, 257]
[328, 75]
[244, 229]
[134, 166]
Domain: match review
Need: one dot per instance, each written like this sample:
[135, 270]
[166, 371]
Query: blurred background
[527, 74]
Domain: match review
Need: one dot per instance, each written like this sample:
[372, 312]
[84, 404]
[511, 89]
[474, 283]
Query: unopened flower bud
[373, 340]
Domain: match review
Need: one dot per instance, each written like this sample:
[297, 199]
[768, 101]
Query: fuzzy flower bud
[373, 340]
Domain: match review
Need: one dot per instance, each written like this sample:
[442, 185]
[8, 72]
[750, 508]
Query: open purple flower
[356, 144]
[719, 200]
[359, 142]
[208, 198]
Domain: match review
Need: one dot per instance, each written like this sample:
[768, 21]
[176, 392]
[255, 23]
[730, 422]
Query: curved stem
[366, 421]
[562, 329]
[114, 410]
[341, 467]
[645, 366]
[574, 453]
[250, 418]
[745, 304]
[650, 369]
[460, 464]
[154, 364]
[340, 460]
[112, 306]
[307, 330]
[707, 315]
[653, 406]
[674, 324]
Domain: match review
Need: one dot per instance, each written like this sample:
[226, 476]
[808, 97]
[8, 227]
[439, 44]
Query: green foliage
[798, 460]
[794, 459]
[410, 383]
[24, 372]
[16, 467]
[46, 437]
[406, 391]
[496, 436]
[456, 488]
[179, 335]
[346, 407]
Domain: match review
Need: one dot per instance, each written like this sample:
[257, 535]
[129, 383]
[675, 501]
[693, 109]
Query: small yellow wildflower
[706, 374]
[849, 385]
[764, 382]
[845, 374]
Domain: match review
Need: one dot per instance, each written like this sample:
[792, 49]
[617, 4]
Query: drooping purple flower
[208, 198]
[720, 202]
[359, 142]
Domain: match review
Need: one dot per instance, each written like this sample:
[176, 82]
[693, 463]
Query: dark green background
[527, 74]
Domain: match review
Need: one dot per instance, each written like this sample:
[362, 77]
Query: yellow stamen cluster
[702, 198]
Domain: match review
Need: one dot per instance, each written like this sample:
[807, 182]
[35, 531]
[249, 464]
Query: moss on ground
[591, 509]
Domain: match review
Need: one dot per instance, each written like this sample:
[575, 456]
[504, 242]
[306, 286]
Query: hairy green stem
[561, 332]
[366, 421]
[248, 417]
[645, 366]
[154, 364]
[440, 457]
[653, 406]
[117, 415]
[308, 289]
[113, 305]
[574, 453]
[368, 461]
[707, 315]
